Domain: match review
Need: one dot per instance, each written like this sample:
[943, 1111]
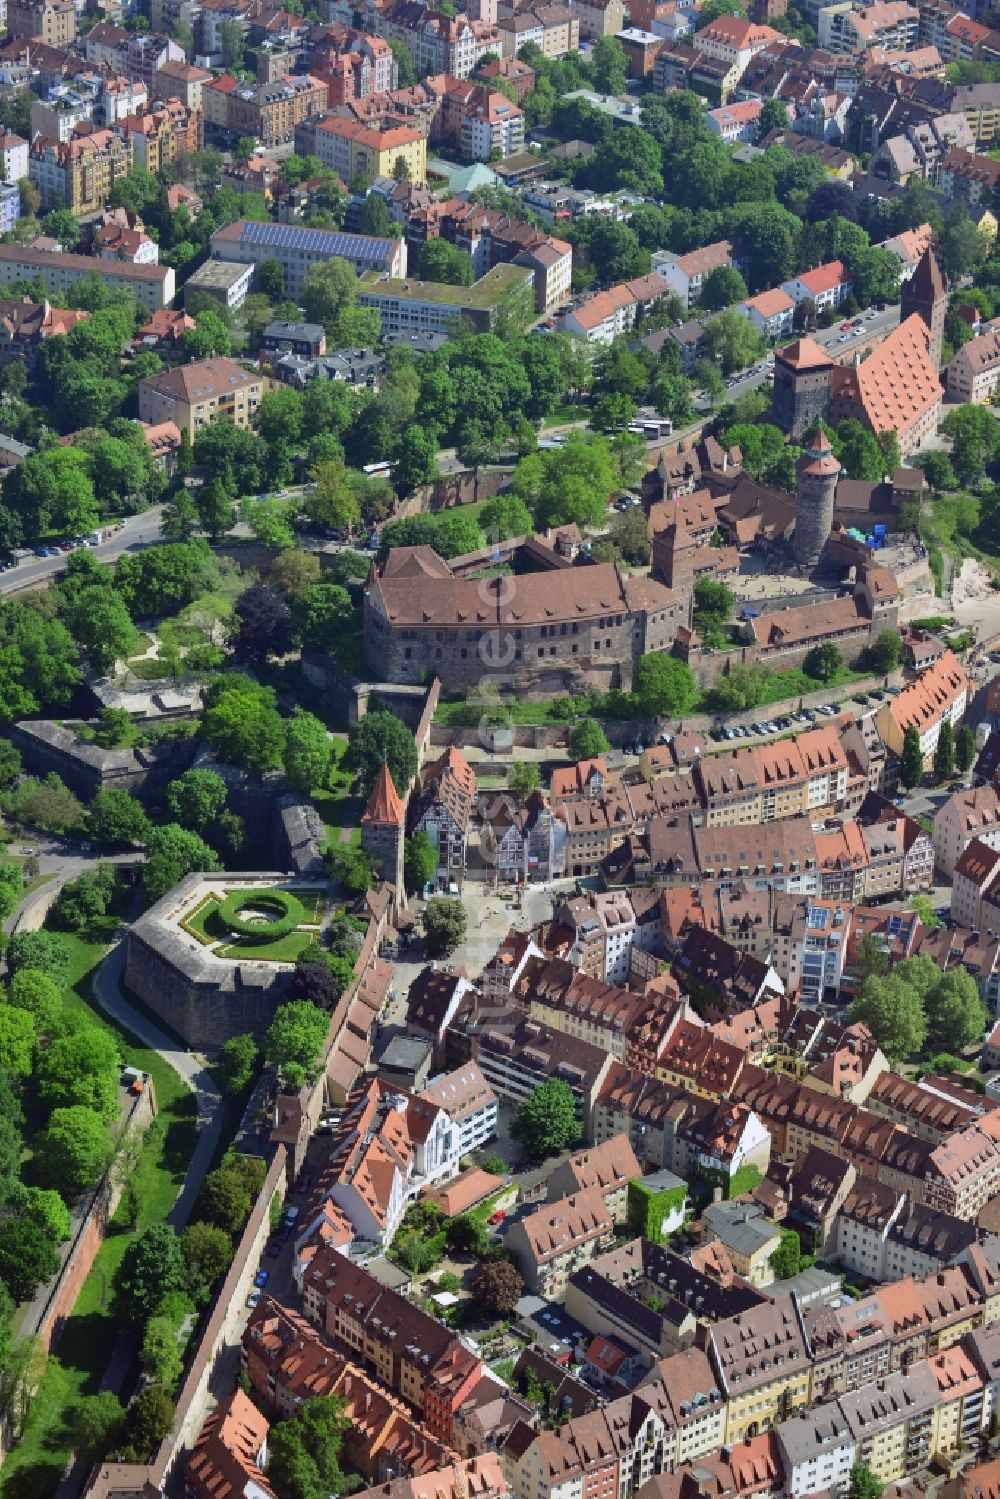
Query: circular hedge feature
[289, 913]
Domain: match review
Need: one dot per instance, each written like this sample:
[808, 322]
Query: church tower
[383, 828]
[926, 293]
[818, 471]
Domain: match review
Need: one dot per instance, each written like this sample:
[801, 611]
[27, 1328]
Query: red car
[844, 326]
[497, 1217]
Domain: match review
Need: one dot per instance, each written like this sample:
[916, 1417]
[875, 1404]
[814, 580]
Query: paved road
[138, 531]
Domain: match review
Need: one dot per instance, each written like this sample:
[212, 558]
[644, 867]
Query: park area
[246, 922]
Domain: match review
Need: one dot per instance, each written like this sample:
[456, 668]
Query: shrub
[290, 913]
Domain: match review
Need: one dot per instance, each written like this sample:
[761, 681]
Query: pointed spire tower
[926, 293]
[818, 471]
[383, 829]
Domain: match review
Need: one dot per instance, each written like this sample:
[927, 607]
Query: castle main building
[549, 631]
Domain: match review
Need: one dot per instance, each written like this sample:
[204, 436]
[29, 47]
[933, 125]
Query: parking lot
[765, 728]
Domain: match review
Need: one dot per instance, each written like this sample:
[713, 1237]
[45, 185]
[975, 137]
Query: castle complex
[896, 389]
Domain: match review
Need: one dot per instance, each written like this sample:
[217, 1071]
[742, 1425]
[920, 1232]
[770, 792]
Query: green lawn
[34, 1467]
[565, 413]
[204, 924]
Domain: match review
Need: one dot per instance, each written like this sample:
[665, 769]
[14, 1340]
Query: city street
[138, 531]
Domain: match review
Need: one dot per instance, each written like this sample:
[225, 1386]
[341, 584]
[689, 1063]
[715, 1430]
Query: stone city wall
[47, 747]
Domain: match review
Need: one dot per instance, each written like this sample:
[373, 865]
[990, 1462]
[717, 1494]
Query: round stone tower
[818, 471]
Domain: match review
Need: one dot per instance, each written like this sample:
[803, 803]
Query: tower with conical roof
[818, 471]
[383, 828]
[802, 376]
[926, 293]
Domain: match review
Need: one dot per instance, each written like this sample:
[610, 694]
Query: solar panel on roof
[319, 241]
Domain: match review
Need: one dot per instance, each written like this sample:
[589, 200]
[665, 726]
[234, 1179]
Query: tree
[911, 771]
[610, 65]
[294, 1041]
[333, 502]
[504, 517]
[35, 992]
[498, 1287]
[965, 748]
[420, 860]
[304, 1460]
[28, 1257]
[894, 1013]
[240, 718]
[160, 1355]
[329, 296]
[380, 739]
[238, 1062]
[215, 507]
[152, 1267]
[44, 1206]
[944, 752]
[51, 490]
[264, 624]
[441, 261]
[404, 64]
[195, 799]
[415, 462]
[864, 1484]
[546, 1121]
[151, 1414]
[732, 341]
[663, 686]
[43, 952]
[17, 1040]
[938, 470]
[975, 440]
[321, 615]
[116, 817]
[626, 160]
[100, 622]
[444, 924]
[171, 853]
[97, 1422]
[884, 653]
[294, 571]
[81, 1068]
[587, 740]
[786, 1260]
[270, 520]
[523, 778]
[956, 1016]
[722, 287]
[773, 116]
[823, 662]
[73, 1151]
[307, 751]
[207, 1252]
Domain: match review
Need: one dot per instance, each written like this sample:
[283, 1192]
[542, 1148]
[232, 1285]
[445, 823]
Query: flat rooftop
[481, 295]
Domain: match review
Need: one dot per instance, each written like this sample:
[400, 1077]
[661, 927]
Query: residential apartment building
[762, 1360]
[784, 778]
[470, 1103]
[492, 128]
[554, 28]
[13, 156]
[735, 123]
[606, 1168]
[25, 324]
[439, 43]
[180, 80]
[771, 312]
[412, 1353]
[598, 17]
[974, 891]
[939, 692]
[604, 316]
[50, 21]
[827, 287]
[684, 274]
[552, 1242]
[297, 249]
[964, 1170]
[79, 174]
[963, 816]
[890, 24]
[354, 150]
[195, 395]
[442, 808]
[151, 285]
[272, 112]
[158, 135]
[973, 375]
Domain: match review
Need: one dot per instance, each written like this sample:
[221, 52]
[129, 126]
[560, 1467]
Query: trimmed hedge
[291, 913]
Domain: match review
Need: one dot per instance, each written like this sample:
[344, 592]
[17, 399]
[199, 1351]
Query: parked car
[261, 1278]
[273, 1249]
[253, 1299]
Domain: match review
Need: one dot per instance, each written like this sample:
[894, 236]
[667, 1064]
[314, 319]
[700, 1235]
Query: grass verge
[34, 1467]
